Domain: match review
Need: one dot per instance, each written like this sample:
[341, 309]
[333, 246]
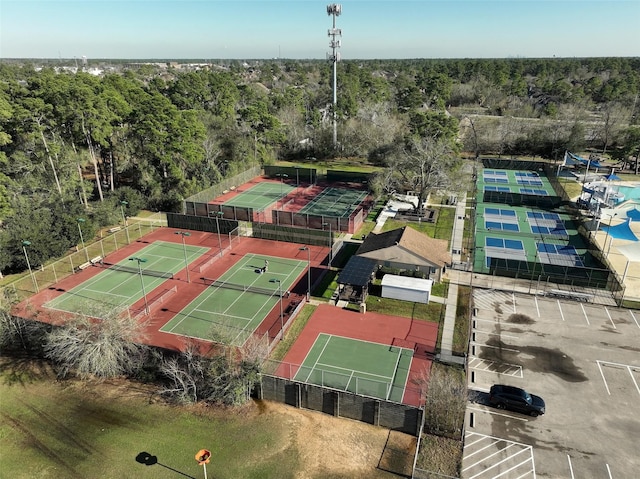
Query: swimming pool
[630, 192]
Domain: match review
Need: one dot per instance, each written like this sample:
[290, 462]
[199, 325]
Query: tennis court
[235, 304]
[260, 196]
[121, 284]
[362, 367]
[336, 202]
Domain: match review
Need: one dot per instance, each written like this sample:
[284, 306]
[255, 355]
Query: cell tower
[335, 10]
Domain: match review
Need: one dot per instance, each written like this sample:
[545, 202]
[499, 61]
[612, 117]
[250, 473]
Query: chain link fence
[111, 240]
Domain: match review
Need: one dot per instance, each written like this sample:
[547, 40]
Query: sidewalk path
[446, 346]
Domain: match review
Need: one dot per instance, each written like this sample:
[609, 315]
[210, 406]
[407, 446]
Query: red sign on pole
[202, 456]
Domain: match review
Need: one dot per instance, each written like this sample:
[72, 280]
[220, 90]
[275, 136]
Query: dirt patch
[333, 447]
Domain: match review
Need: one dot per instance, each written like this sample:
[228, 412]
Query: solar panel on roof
[513, 244]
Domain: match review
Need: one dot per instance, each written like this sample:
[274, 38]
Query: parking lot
[583, 359]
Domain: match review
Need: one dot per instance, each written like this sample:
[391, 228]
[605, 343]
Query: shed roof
[406, 282]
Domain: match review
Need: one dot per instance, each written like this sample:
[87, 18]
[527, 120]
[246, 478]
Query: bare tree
[424, 165]
[446, 402]
[224, 374]
[106, 347]
[20, 334]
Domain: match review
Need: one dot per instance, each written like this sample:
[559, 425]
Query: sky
[244, 29]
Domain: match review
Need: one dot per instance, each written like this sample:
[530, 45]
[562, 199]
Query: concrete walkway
[446, 345]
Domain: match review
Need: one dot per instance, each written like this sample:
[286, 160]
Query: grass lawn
[292, 334]
[82, 430]
[433, 312]
[95, 430]
[442, 229]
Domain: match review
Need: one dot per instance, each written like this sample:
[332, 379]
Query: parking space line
[585, 314]
[500, 462]
[560, 308]
[570, 466]
[513, 299]
[634, 318]
[491, 444]
[499, 414]
[633, 379]
[514, 467]
[537, 306]
[496, 347]
[609, 471]
[494, 334]
[603, 378]
[610, 319]
[513, 370]
[487, 457]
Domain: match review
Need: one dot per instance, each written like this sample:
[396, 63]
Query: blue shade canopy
[612, 177]
[590, 163]
[634, 214]
[621, 231]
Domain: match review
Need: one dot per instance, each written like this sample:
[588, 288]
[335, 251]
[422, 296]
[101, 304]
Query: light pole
[218, 215]
[609, 233]
[80, 221]
[330, 241]
[184, 247]
[33, 278]
[123, 205]
[308, 250]
[276, 280]
[281, 176]
[144, 293]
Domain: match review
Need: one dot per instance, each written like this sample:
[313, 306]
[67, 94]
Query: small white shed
[416, 290]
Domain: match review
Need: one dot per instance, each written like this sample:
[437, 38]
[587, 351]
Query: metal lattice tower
[335, 10]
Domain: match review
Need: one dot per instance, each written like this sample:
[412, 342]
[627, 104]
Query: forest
[89, 144]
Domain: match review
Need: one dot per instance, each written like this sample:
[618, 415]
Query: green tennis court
[121, 284]
[340, 202]
[234, 304]
[260, 196]
[361, 367]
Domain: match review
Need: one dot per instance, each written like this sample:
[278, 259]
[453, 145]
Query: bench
[114, 229]
[291, 308]
[97, 259]
[559, 293]
[83, 266]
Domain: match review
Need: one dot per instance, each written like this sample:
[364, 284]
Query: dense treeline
[76, 145]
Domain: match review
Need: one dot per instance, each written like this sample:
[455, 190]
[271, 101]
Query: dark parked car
[516, 399]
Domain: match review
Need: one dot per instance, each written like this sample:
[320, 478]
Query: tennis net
[146, 272]
[241, 287]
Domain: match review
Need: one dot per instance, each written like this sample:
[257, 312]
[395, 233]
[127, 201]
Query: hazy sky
[210, 29]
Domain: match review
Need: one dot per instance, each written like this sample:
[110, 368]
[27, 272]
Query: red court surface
[392, 330]
[173, 300]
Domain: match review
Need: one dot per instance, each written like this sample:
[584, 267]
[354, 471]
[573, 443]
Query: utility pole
[335, 10]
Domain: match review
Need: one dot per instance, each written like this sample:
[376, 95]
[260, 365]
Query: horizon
[297, 30]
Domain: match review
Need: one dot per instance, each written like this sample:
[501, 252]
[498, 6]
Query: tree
[423, 165]
[103, 342]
